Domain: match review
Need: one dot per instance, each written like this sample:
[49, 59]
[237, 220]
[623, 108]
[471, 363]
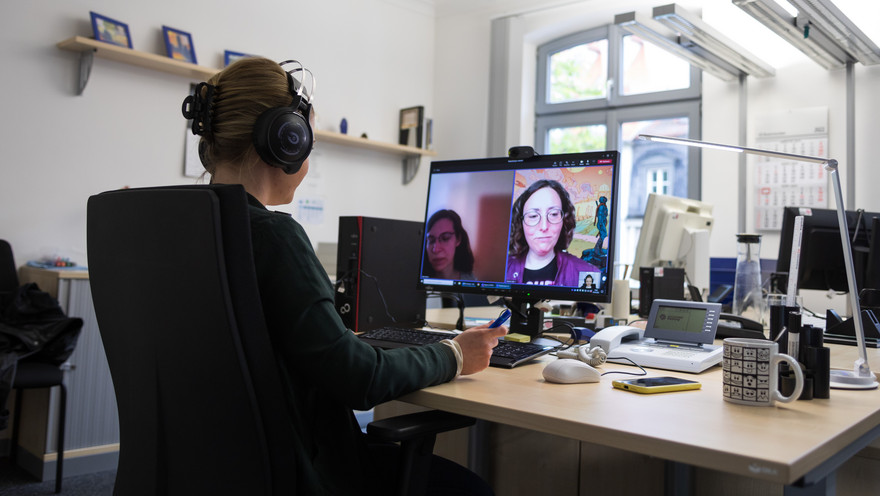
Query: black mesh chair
[32, 375]
[201, 403]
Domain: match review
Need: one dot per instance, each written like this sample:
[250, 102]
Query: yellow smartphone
[647, 385]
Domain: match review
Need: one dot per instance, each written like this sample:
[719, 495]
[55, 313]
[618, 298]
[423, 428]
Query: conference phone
[678, 336]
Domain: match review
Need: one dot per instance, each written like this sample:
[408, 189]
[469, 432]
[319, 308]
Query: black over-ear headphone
[283, 136]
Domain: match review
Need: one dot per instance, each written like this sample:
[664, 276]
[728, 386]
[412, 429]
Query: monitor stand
[525, 317]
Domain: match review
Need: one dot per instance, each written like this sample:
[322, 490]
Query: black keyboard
[398, 337]
[507, 354]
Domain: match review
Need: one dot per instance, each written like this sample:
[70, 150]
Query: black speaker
[659, 283]
[377, 271]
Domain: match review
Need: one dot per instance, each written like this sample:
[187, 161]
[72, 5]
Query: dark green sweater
[327, 370]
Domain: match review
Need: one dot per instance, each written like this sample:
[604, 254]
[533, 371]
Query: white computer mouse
[568, 371]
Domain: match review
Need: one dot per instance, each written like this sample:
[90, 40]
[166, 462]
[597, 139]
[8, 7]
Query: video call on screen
[547, 223]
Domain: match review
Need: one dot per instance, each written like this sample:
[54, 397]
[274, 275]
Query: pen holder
[778, 322]
[788, 384]
[819, 361]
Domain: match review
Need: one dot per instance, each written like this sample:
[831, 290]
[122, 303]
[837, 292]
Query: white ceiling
[854, 9]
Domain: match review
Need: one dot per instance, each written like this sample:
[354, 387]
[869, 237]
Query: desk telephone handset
[611, 337]
[737, 326]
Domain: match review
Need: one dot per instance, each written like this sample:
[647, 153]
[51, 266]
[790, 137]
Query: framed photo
[411, 126]
[179, 45]
[110, 30]
[229, 57]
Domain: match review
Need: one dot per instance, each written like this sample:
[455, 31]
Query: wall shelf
[348, 140]
[89, 48]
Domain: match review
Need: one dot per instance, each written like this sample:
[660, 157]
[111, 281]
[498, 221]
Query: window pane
[648, 68]
[648, 166]
[578, 73]
[576, 139]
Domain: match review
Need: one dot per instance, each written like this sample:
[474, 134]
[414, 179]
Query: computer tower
[377, 270]
[659, 283]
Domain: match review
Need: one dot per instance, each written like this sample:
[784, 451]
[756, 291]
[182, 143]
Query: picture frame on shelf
[179, 45]
[411, 128]
[110, 30]
[229, 57]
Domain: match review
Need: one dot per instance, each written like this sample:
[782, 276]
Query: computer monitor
[872, 267]
[821, 266]
[540, 228]
[675, 233]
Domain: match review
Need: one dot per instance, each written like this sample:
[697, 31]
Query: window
[578, 73]
[573, 139]
[647, 68]
[658, 180]
[580, 108]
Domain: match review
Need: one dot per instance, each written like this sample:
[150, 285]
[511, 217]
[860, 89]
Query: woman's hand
[476, 346]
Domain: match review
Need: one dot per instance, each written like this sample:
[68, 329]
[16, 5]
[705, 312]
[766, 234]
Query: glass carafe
[747, 297]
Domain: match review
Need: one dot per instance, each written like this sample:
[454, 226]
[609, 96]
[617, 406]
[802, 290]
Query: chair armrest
[416, 425]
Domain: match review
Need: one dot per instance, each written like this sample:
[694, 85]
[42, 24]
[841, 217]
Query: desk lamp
[861, 376]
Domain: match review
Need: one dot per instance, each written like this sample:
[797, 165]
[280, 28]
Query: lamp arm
[861, 367]
[862, 377]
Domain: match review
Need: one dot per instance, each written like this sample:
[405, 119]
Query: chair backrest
[201, 406]
[8, 274]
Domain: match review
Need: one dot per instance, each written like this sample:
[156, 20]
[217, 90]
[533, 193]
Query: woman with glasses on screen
[448, 248]
[541, 228]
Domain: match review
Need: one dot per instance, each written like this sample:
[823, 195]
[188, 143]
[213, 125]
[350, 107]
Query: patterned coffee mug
[751, 372]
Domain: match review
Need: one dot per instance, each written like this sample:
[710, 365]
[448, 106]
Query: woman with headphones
[255, 120]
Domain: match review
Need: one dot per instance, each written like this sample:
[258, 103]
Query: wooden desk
[798, 444]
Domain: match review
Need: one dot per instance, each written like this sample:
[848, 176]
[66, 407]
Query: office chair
[32, 375]
[8, 274]
[200, 400]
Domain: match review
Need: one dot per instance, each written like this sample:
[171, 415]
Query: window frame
[613, 98]
[545, 51]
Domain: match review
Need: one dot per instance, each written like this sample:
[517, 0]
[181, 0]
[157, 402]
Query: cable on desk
[563, 345]
[644, 372]
[345, 283]
[812, 313]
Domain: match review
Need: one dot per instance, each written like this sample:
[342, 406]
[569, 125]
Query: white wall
[798, 83]
[371, 58]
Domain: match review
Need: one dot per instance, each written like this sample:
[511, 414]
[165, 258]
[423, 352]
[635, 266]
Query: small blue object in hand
[501, 319]
[343, 126]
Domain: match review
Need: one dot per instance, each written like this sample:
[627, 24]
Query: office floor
[16, 482]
